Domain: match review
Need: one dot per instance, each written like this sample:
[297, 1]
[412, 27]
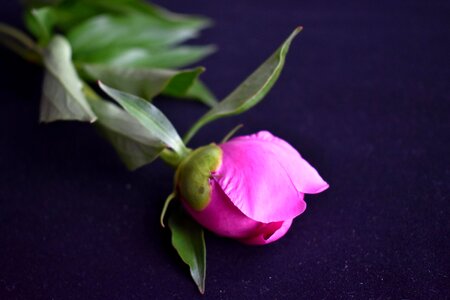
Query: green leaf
[198, 90]
[134, 144]
[42, 19]
[75, 18]
[125, 34]
[40, 22]
[142, 57]
[161, 13]
[188, 239]
[250, 92]
[150, 117]
[105, 32]
[62, 96]
[137, 6]
[148, 83]
[20, 43]
[181, 82]
[145, 83]
[187, 85]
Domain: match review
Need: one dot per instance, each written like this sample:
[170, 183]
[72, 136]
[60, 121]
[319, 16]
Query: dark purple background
[364, 97]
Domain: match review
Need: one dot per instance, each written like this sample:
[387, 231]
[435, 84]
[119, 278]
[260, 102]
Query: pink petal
[306, 179]
[260, 176]
[223, 218]
[269, 233]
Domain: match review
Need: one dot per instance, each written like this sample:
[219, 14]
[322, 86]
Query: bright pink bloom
[258, 189]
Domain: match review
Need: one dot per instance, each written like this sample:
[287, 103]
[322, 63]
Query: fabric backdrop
[364, 97]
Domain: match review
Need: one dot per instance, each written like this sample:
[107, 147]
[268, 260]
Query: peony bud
[249, 188]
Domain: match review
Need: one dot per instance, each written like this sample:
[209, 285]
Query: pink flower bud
[249, 188]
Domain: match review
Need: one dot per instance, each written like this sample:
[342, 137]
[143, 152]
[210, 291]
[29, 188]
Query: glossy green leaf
[121, 7]
[150, 117]
[187, 85]
[182, 20]
[142, 57]
[43, 18]
[198, 90]
[114, 36]
[62, 96]
[181, 82]
[40, 22]
[250, 92]
[70, 12]
[145, 83]
[134, 144]
[148, 83]
[136, 30]
[188, 239]
[20, 43]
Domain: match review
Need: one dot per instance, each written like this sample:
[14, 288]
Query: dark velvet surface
[364, 97]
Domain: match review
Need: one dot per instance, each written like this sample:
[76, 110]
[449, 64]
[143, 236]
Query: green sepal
[193, 175]
[165, 207]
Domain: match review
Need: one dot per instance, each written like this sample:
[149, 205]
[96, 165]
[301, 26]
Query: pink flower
[251, 189]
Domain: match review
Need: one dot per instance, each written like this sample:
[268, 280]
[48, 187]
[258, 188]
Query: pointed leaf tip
[135, 145]
[189, 241]
[62, 94]
[251, 91]
[150, 117]
[149, 82]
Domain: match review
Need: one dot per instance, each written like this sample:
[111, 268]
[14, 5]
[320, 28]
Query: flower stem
[172, 158]
[20, 43]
